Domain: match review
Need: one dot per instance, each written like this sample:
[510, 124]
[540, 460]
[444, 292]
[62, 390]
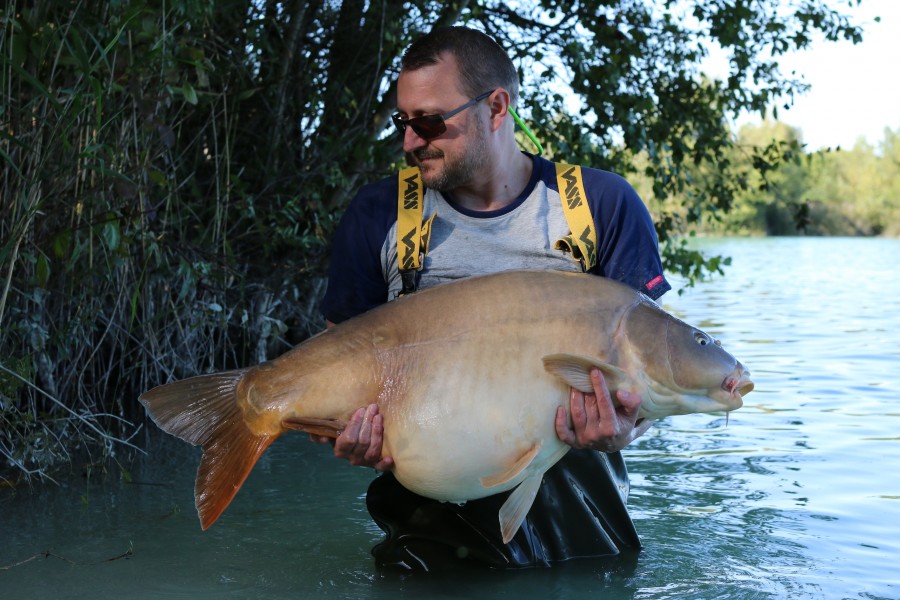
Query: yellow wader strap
[413, 234]
[582, 241]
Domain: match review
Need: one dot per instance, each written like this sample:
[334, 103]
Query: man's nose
[412, 141]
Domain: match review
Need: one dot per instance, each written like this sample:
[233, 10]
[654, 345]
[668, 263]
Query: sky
[855, 88]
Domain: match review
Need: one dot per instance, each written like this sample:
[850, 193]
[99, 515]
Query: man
[496, 209]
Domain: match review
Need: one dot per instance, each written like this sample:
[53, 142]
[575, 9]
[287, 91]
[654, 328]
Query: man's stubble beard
[458, 172]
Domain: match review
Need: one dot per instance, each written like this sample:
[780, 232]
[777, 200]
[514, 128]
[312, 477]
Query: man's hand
[360, 442]
[596, 422]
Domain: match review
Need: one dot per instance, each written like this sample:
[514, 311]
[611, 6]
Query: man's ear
[499, 105]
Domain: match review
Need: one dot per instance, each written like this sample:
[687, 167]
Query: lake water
[796, 495]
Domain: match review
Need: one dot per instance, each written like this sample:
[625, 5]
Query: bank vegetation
[172, 171]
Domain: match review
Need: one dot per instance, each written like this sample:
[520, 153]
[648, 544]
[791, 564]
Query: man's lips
[429, 156]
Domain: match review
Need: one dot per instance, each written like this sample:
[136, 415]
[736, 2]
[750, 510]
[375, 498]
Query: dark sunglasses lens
[428, 126]
[399, 123]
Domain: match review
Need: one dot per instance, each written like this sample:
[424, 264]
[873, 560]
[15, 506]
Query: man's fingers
[346, 442]
[576, 409]
[365, 426]
[351, 431]
[321, 439]
[374, 438]
[361, 440]
[630, 401]
[586, 423]
[585, 417]
[593, 424]
[606, 410]
[385, 464]
[563, 431]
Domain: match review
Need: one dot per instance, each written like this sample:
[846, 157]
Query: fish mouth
[661, 401]
[738, 385]
[741, 385]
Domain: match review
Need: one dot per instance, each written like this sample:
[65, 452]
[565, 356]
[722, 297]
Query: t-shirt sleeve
[627, 245]
[356, 281]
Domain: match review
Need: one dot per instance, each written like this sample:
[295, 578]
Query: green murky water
[796, 496]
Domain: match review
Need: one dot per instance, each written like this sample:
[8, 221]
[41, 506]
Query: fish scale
[468, 377]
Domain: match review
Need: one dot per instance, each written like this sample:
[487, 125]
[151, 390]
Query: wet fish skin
[467, 376]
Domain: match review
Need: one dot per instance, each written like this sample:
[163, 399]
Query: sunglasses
[431, 126]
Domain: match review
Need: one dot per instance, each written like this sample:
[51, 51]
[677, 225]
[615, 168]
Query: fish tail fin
[203, 411]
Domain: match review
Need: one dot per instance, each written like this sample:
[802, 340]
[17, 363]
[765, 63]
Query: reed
[133, 249]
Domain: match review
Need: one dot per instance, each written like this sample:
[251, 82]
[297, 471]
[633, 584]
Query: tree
[858, 188]
[774, 200]
[172, 171]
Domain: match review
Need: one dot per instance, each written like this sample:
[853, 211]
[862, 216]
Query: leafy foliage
[172, 172]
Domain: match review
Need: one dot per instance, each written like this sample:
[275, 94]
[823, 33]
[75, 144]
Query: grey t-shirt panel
[463, 245]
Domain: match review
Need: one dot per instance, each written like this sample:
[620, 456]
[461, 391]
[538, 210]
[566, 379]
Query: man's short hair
[483, 64]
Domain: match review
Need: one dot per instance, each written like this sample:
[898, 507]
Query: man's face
[453, 158]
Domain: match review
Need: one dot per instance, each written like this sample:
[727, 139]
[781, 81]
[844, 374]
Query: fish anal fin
[514, 469]
[321, 427]
[575, 370]
[516, 507]
[204, 411]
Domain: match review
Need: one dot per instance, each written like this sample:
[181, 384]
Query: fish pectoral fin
[514, 469]
[576, 371]
[321, 427]
[516, 507]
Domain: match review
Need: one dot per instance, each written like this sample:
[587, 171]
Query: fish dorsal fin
[575, 370]
[516, 507]
[514, 469]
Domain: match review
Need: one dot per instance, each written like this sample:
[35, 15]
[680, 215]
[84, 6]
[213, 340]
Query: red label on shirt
[654, 282]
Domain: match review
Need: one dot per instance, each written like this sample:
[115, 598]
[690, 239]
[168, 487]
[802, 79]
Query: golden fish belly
[471, 415]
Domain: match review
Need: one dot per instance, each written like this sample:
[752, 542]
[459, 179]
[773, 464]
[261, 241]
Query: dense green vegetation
[172, 171]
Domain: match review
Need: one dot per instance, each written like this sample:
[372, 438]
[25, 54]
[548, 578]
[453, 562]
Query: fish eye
[701, 338]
